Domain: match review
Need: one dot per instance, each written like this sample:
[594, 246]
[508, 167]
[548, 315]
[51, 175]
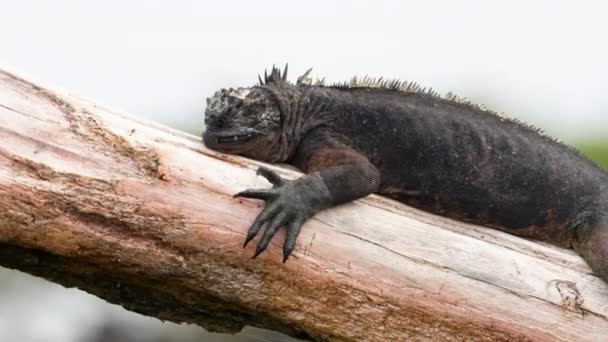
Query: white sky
[545, 62]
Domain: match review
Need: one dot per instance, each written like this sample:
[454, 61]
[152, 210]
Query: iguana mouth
[235, 138]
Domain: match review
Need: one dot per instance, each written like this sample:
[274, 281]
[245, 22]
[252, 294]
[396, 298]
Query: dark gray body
[457, 160]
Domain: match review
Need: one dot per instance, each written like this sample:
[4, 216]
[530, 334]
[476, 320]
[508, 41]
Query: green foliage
[596, 150]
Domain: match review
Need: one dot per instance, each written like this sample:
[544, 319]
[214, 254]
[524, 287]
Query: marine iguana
[438, 153]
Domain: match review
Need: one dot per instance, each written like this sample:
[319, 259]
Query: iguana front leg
[336, 174]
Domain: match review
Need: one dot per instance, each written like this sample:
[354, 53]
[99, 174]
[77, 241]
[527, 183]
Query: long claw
[253, 231]
[271, 176]
[258, 251]
[262, 194]
[270, 232]
[290, 239]
[267, 213]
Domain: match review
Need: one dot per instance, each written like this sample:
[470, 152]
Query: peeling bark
[143, 216]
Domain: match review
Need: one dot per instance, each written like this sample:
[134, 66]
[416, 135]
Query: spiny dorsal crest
[366, 81]
[276, 76]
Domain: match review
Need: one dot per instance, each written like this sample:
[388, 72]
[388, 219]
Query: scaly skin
[439, 154]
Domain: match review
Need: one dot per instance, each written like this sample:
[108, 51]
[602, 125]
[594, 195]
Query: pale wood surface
[143, 216]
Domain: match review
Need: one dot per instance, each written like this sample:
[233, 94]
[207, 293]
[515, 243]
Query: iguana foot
[288, 203]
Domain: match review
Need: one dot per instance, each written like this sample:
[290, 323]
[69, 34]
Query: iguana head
[240, 120]
[247, 121]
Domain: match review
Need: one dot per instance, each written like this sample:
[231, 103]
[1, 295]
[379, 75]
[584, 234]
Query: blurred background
[543, 62]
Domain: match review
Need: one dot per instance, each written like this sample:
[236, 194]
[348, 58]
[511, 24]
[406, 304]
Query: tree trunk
[143, 216]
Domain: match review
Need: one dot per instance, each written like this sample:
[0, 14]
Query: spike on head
[305, 78]
[284, 78]
[276, 76]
